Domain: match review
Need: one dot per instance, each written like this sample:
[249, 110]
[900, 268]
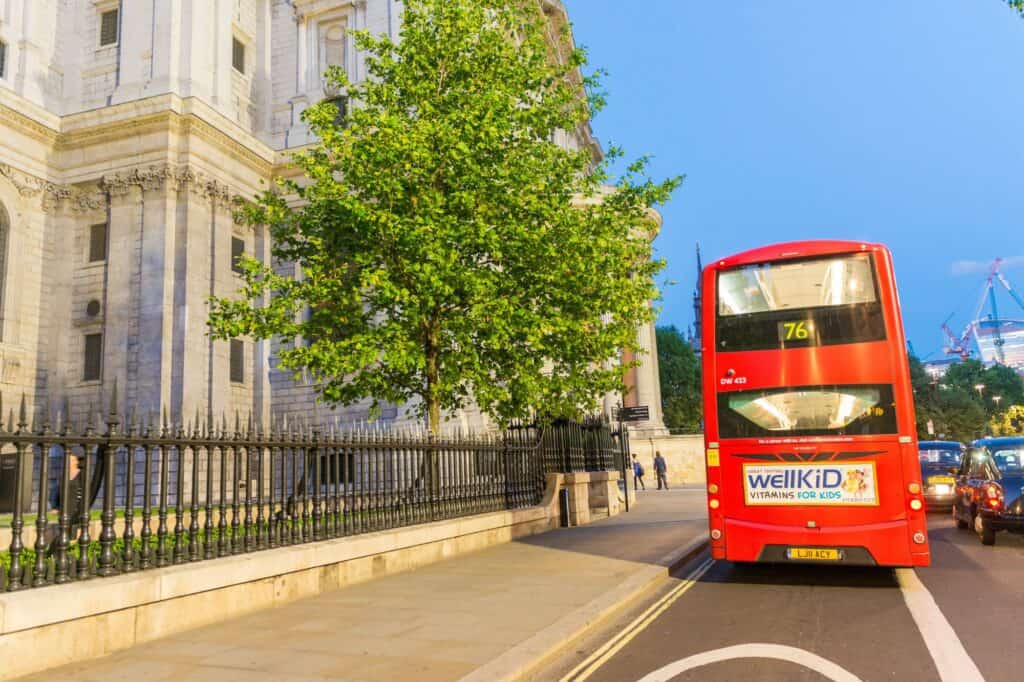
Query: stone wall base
[53, 626]
[684, 458]
[47, 627]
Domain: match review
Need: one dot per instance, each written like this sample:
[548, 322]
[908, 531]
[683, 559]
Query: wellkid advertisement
[850, 484]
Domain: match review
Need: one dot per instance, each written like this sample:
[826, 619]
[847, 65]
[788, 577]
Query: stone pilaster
[645, 388]
[120, 297]
[155, 273]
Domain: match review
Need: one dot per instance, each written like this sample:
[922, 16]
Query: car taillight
[993, 496]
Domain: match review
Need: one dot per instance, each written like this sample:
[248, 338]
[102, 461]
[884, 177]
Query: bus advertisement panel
[809, 419]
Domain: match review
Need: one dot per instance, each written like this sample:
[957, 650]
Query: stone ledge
[48, 627]
[34, 608]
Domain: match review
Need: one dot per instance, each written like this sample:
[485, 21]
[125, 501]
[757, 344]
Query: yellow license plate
[935, 480]
[813, 554]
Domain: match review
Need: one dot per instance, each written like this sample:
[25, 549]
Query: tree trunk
[431, 461]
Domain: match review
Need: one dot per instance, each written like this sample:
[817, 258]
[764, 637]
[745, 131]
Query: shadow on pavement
[660, 523]
[863, 577]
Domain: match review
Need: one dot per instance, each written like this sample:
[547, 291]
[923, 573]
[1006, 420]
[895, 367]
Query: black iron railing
[171, 494]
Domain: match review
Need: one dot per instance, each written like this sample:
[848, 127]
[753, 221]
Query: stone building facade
[126, 128]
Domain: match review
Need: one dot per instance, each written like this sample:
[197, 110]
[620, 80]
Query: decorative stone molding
[30, 127]
[84, 198]
[305, 9]
[27, 185]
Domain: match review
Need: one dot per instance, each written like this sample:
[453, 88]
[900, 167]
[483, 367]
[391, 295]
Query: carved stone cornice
[87, 197]
[304, 9]
[27, 185]
[29, 126]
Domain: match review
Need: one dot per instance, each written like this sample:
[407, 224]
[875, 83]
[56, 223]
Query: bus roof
[787, 250]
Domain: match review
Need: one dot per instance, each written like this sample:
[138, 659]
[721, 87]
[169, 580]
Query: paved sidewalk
[487, 616]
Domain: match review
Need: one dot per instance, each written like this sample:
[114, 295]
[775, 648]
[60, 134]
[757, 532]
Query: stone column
[152, 390]
[645, 388]
[261, 349]
[191, 346]
[120, 304]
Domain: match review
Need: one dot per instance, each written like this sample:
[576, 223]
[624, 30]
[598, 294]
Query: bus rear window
[807, 411]
[794, 304]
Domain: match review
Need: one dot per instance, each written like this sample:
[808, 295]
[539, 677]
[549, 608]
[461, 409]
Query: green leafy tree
[1010, 422]
[955, 410]
[1017, 5]
[449, 250]
[966, 374]
[954, 403]
[679, 373]
[1000, 380]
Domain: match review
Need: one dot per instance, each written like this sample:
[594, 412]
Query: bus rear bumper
[877, 544]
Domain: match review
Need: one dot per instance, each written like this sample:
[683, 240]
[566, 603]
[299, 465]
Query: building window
[341, 104]
[237, 252]
[3, 59]
[237, 361]
[334, 46]
[238, 55]
[108, 28]
[97, 242]
[93, 357]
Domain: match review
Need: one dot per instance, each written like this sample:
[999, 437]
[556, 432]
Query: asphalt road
[822, 624]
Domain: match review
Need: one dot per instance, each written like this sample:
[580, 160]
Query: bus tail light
[914, 488]
[713, 488]
[714, 504]
[919, 537]
[716, 534]
[916, 504]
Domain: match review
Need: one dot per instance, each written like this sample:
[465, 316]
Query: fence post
[105, 564]
[623, 456]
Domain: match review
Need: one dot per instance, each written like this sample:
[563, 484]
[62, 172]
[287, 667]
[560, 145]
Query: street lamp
[979, 388]
[996, 399]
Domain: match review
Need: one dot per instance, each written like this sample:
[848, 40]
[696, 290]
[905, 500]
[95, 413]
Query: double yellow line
[592, 663]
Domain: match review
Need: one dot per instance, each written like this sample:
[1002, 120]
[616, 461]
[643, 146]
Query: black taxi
[937, 457]
[990, 488]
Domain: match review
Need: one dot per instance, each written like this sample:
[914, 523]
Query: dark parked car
[937, 458]
[990, 488]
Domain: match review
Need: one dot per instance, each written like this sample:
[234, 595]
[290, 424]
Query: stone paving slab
[488, 615]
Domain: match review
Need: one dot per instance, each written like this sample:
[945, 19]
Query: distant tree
[951, 404]
[1000, 380]
[1010, 422]
[966, 374]
[1017, 5]
[449, 250]
[679, 372]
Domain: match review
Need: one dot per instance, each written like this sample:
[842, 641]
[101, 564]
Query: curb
[526, 657]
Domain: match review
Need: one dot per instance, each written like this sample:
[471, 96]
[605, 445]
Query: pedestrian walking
[638, 474]
[660, 469]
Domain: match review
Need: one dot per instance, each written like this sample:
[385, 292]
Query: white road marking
[590, 664]
[822, 666]
[951, 659]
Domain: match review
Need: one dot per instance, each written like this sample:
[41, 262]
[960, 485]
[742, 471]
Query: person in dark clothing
[660, 469]
[638, 474]
[74, 509]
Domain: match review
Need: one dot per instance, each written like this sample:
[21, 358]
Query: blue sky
[898, 122]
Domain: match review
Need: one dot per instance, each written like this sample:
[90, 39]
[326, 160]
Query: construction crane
[960, 345]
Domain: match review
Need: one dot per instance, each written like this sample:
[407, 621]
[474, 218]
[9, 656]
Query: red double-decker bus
[809, 418]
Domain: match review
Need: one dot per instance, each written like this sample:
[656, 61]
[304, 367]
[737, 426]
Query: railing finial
[22, 414]
[113, 401]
